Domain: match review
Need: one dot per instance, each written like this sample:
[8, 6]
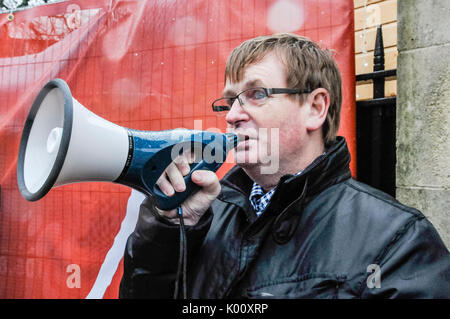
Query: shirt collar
[259, 199]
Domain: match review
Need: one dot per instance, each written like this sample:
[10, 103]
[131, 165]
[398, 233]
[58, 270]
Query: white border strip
[115, 253]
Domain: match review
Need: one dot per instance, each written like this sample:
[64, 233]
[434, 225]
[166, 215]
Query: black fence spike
[378, 64]
[378, 54]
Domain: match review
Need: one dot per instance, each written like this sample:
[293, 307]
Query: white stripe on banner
[115, 253]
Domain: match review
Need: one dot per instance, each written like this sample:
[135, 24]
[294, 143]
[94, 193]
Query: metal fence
[375, 127]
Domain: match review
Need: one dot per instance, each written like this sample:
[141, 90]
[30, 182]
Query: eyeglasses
[252, 97]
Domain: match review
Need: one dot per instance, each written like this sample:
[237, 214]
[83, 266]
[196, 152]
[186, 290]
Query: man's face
[276, 130]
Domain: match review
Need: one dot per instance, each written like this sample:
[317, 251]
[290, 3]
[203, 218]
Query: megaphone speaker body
[63, 142]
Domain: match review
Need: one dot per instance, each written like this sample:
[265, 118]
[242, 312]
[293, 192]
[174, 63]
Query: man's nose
[236, 113]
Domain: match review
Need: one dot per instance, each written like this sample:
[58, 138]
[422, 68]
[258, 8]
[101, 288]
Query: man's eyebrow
[247, 85]
[253, 83]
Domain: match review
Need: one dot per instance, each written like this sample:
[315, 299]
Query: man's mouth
[243, 141]
[243, 137]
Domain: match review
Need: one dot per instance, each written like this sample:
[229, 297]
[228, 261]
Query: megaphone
[63, 142]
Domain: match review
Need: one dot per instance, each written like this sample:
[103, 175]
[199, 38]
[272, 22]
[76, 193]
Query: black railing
[375, 127]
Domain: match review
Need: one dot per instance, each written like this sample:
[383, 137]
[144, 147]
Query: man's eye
[256, 94]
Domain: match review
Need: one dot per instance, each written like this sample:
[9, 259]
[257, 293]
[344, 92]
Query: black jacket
[323, 235]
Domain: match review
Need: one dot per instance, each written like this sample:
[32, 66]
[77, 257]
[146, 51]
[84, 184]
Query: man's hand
[172, 180]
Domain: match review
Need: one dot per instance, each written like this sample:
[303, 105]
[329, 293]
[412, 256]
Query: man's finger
[182, 163]
[176, 178]
[207, 180]
[165, 185]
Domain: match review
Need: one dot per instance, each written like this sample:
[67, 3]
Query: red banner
[147, 65]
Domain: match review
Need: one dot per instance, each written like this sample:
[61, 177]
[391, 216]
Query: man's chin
[247, 166]
[245, 158]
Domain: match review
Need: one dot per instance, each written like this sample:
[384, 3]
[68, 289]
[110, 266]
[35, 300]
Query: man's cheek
[269, 150]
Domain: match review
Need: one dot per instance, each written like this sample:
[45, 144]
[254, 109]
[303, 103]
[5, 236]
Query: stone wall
[423, 110]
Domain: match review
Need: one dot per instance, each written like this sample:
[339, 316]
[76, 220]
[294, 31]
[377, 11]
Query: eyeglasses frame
[268, 92]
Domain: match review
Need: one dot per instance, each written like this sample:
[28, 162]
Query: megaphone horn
[63, 142]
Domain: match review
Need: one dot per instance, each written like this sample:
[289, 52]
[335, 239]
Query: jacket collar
[325, 171]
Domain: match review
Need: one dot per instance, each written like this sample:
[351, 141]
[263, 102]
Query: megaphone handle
[165, 202]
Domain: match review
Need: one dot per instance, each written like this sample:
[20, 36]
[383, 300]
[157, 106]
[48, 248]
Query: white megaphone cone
[63, 142]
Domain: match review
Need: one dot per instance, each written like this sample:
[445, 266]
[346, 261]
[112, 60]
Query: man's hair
[307, 67]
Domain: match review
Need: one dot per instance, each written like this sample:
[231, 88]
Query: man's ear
[318, 102]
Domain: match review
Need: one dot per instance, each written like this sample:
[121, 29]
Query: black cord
[182, 260]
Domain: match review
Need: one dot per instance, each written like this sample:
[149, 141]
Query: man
[304, 230]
